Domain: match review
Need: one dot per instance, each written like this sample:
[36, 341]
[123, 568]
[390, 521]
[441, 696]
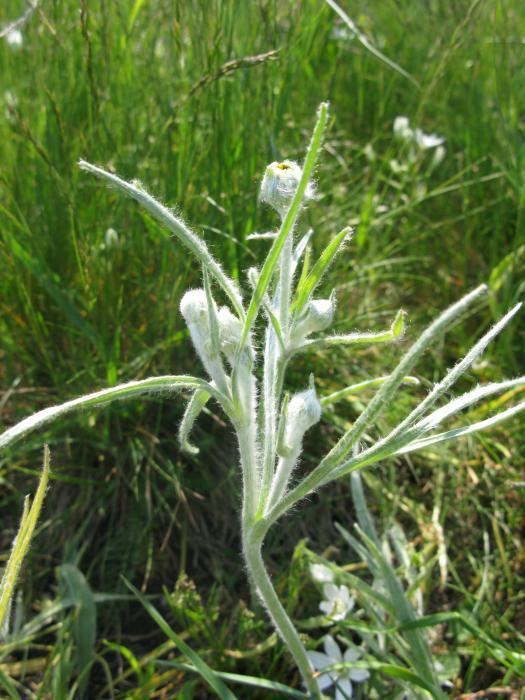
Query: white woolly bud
[280, 183]
[318, 316]
[230, 332]
[303, 411]
[194, 308]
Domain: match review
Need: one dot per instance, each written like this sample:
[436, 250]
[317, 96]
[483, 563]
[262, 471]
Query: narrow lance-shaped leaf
[407, 362]
[453, 375]
[466, 430]
[464, 401]
[153, 385]
[193, 242]
[362, 386]
[395, 332]
[328, 468]
[306, 288]
[287, 224]
[300, 248]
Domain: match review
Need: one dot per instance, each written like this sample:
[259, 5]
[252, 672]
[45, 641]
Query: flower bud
[280, 183]
[303, 411]
[230, 332]
[194, 308]
[317, 316]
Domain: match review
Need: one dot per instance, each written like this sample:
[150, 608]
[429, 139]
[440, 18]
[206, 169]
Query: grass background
[166, 92]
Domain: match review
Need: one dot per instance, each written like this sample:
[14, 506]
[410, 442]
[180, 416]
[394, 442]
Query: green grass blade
[9, 687]
[287, 225]
[201, 666]
[368, 45]
[22, 540]
[250, 681]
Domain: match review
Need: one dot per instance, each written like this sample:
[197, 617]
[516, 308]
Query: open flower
[341, 678]
[338, 601]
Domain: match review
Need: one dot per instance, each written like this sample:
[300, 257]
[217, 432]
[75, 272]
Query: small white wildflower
[369, 153]
[426, 141]
[343, 678]
[280, 183]
[402, 129]
[439, 155]
[14, 38]
[111, 239]
[338, 601]
[321, 573]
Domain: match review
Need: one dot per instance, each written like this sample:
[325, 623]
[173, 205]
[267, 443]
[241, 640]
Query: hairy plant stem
[253, 537]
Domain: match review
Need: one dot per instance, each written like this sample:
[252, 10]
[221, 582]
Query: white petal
[344, 689]
[319, 660]
[330, 591]
[352, 654]
[326, 607]
[325, 681]
[332, 650]
[359, 674]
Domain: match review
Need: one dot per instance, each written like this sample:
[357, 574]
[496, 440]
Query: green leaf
[306, 287]
[201, 666]
[85, 616]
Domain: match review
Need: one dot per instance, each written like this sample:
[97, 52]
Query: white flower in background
[426, 141]
[402, 129]
[342, 678]
[338, 601]
[416, 137]
[321, 573]
[14, 38]
[438, 156]
[111, 239]
[280, 183]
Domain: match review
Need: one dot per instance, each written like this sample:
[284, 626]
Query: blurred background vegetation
[194, 98]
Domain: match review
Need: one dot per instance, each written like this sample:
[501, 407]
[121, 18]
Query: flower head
[342, 678]
[280, 183]
[338, 601]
